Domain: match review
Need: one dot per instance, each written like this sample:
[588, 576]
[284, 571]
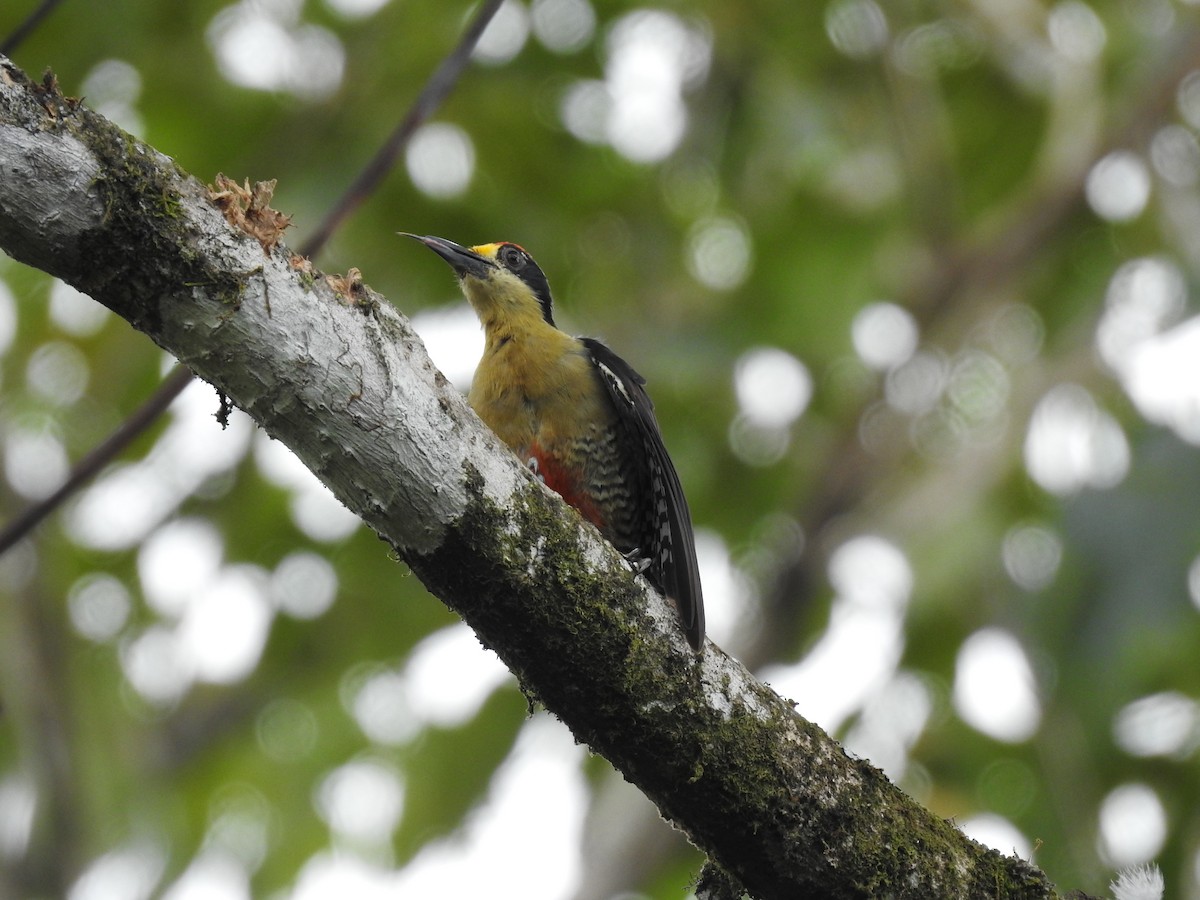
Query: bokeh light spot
[176, 561]
[998, 833]
[1076, 31]
[1164, 724]
[8, 317]
[440, 160]
[303, 585]
[719, 253]
[563, 26]
[994, 689]
[1118, 187]
[71, 311]
[1032, 554]
[129, 873]
[884, 335]
[1073, 444]
[1175, 155]
[504, 36]
[35, 462]
[773, 388]
[858, 28]
[287, 730]
[1133, 825]
[58, 372]
[362, 801]
[265, 47]
[99, 605]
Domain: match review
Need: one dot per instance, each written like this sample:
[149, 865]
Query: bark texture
[332, 370]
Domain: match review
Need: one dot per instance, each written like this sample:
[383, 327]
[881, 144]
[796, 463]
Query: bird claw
[638, 562]
[535, 468]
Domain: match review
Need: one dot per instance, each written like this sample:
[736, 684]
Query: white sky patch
[1194, 582]
[1072, 444]
[1154, 354]
[729, 597]
[177, 560]
[884, 335]
[321, 515]
[537, 798]
[454, 338]
[128, 501]
[314, 509]
[504, 36]
[211, 876]
[446, 680]
[71, 311]
[652, 58]
[994, 687]
[1133, 825]
[264, 45]
[450, 675]
[1118, 187]
[8, 317]
[356, 9]
[440, 160]
[362, 801]
[113, 88]
[998, 833]
[129, 873]
[891, 722]
[224, 629]
[859, 651]
[18, 803]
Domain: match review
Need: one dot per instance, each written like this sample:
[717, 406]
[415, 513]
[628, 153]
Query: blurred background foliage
[913, 286]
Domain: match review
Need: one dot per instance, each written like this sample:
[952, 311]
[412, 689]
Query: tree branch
[333, 371]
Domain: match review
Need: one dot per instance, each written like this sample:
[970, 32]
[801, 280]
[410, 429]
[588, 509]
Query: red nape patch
[560, 480]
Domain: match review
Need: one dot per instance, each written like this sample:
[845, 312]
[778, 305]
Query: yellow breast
[537, 388]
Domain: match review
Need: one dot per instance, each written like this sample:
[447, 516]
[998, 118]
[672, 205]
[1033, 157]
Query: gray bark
[336, 373]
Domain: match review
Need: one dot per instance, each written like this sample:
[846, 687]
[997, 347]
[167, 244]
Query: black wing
[670, 546]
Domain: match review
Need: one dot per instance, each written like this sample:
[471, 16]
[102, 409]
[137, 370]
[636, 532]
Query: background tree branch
[329, 368]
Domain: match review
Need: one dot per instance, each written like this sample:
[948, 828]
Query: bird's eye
[512, 257]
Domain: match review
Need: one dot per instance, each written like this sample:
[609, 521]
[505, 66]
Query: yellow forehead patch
[490, 250]
[487, 250]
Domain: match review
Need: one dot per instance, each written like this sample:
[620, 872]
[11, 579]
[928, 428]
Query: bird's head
[498, 279]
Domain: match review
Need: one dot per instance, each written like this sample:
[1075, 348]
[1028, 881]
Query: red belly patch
[560, 479]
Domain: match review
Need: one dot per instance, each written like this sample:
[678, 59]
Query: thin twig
[436, 89]
[26, 28]
[99, 456]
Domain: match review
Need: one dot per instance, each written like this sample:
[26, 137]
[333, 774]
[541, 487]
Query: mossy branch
[332, 370]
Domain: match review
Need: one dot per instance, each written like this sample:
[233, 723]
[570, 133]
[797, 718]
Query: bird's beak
[464, 262]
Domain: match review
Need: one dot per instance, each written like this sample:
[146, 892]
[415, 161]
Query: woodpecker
[579, 417]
